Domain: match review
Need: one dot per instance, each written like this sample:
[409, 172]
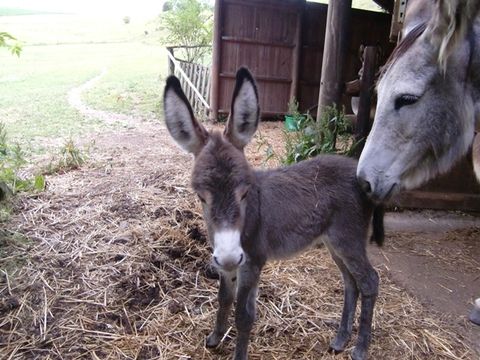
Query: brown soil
[117, 266]
[435, 256]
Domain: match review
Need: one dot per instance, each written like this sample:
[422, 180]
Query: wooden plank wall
[262, 35]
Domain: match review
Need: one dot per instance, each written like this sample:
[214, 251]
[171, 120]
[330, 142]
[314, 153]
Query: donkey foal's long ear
[449, 25]
[245, 112]
[181, 123]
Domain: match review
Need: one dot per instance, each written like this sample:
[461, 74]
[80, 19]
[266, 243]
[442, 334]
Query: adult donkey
[254, 216]
[428, 99]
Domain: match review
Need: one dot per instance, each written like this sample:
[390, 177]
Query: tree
[11, 43]
[188, 23]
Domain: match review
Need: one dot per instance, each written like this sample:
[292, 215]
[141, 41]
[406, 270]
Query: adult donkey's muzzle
[377, 187]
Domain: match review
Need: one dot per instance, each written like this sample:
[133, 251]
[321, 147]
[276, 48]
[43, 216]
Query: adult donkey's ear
[181, 123]
[449, 25]
[245, 112]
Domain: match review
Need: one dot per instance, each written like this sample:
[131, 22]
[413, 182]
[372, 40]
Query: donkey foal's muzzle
[228, 253]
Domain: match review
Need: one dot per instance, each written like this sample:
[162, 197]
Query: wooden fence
[195, 81]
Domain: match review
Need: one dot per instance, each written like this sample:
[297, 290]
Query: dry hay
[112, 263]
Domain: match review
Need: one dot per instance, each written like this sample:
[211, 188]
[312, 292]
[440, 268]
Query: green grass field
[62, 51]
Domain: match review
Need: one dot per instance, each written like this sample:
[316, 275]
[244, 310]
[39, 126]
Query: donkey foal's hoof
[213, 340]
[359, 354]
[338, 344]
[334, 351]
[474, 316]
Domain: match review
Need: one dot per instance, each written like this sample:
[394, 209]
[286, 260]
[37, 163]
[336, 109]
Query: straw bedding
[112, 262]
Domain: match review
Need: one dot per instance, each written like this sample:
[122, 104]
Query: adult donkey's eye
[244, 195]
[201, 198]
[404, 100]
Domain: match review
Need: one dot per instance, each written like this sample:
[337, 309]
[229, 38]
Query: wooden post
[215, 72]
[171, 65]
[297, 50]
[367, 81]
[334, 54]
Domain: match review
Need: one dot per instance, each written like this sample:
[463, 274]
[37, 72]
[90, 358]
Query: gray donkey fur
[255, 216]
[428, 99]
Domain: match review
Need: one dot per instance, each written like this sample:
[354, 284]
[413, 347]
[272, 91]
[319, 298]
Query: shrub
[70, 157]
[12, 162]
[11, 43]
[327, 135]
[188, 23]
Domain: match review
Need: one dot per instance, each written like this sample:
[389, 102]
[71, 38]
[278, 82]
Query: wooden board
[264, 36]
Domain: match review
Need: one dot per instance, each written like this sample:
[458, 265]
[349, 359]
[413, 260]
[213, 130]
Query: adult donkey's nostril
[241, 259]
[365, 185]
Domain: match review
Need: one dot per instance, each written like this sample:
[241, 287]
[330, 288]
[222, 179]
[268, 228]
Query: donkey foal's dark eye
[201, 199]
[404, 100]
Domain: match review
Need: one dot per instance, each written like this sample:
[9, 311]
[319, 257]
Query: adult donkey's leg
[225, 300]
[249, 275]
[344, 332]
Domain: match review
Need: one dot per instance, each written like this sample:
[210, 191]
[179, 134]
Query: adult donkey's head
[221, 175]
[428, 99]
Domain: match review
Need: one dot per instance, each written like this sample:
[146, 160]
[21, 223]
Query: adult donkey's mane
[403, 46]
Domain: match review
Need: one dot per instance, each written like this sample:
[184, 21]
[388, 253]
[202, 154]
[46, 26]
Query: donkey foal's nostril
[241, 258]
[365, 185]
[216, 261]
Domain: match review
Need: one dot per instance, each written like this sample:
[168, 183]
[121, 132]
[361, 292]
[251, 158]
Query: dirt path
[435, 256]
[74, 97]
[111, 261]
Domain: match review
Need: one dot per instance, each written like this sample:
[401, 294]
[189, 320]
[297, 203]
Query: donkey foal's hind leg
[344, 332]
[367, 282]
[349, 246]
[225, 300]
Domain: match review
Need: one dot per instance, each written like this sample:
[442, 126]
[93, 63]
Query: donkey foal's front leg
[225, 301]
[245, 308]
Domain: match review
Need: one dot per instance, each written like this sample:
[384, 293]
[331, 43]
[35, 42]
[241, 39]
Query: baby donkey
[255, 216]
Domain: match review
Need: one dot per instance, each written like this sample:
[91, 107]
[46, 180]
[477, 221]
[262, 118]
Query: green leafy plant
[329, 134]
[270, 153]
[70, 157]
[12, 162]
[188, 23]
[11, 43]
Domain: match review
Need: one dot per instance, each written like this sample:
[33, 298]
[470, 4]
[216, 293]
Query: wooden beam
[367, 82]
[238, 40]
[334, 55]
[297, 50]
[216, 53]
[260, 78]
[385, 4]
[437, 200]
[270, 4]
[171, 65]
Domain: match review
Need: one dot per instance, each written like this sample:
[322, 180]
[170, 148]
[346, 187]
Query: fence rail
[195, 81]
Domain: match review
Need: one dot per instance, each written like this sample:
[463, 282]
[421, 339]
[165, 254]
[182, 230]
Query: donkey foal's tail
[378, 234]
